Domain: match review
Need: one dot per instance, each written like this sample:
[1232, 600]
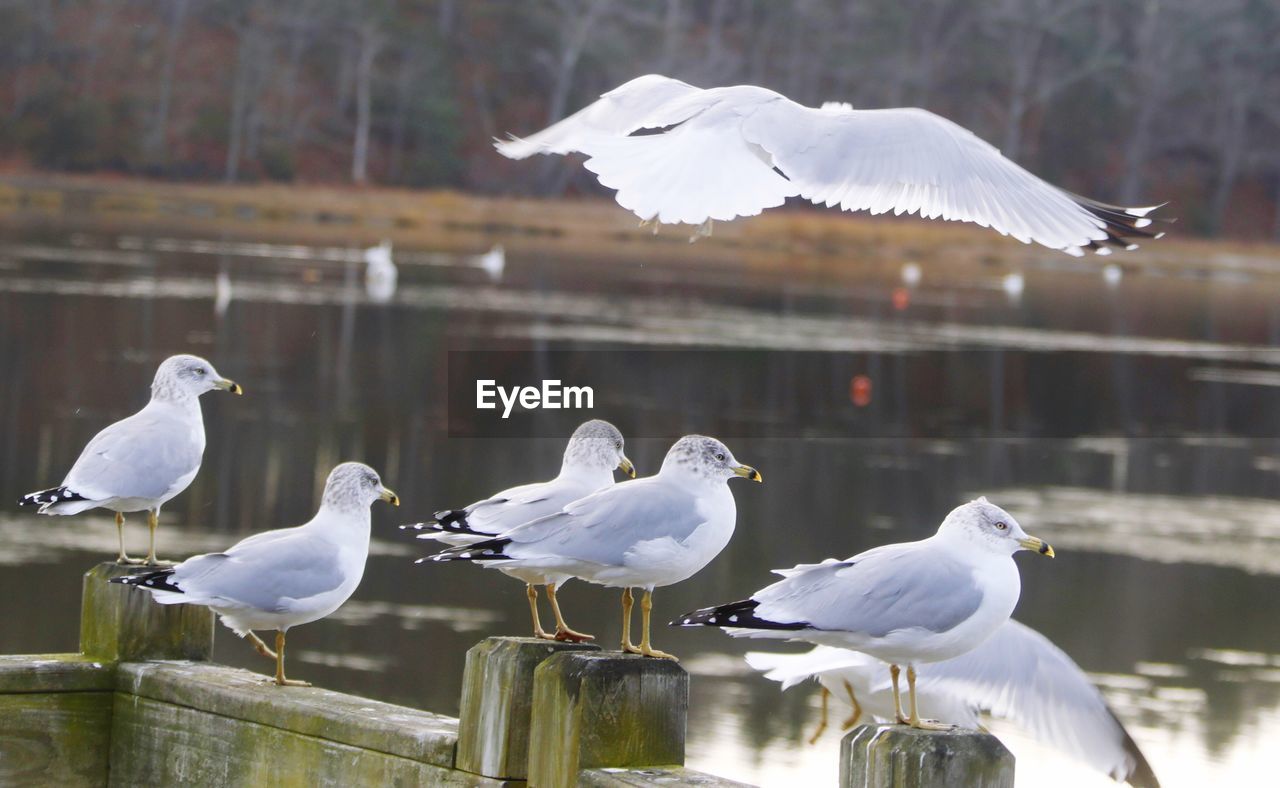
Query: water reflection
[1090, 417]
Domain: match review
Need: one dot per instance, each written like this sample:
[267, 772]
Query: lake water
[1135, 426]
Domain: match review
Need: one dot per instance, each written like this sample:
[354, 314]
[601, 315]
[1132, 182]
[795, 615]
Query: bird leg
[563, 632]
[897, 696]
[653, 220]
[822, 721]
[123, 558]
[914, 720]
[703, 231]
[280, 679]
[627, 602]
[259, 646]
[538, 631]
[853, 718]
[153, 519]
[646, 605]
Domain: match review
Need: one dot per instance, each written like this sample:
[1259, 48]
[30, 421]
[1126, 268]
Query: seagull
[139, 463]
[1016, 674]
[492, 262]
[381, 274]
[646, 533]
[678, 154]
[907, 603]
[594, 450]
[279, 579]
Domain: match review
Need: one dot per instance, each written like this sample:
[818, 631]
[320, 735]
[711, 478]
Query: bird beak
[1036, 545]
[389, 496]
[228, 385]
[748, 472]
[626, 467]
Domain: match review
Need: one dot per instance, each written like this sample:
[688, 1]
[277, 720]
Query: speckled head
[354, 486]
[700, 457]
[184, 377]
[596, 445]
[982, 523]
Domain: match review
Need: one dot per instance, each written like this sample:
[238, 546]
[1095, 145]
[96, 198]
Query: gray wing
[519, 505]
[267, 571]
[142, 456]
[1019, 675]
[899, 586]
[602, 527]
[617, 113]
[910, 160]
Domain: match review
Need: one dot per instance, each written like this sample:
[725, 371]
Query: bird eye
[720, 457]
[1001, 527]
[199, 370]
[617, 445]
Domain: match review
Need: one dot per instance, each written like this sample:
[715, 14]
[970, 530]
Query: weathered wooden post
[122, 624]
[896, 756]
[497, 703]
[593, 710]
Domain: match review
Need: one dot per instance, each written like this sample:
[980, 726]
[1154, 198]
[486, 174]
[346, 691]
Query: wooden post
[605, 710]
[896, 756]
[119, 623]
[497, 700]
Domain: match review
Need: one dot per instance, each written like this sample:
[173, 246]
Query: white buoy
[1112, 274]
[492, 262]
[380, 275]
[221, 294]
[911, 274]
[1013, 284]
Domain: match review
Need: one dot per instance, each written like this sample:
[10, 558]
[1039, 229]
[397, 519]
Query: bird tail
[158, 580]
[488, 550]
[54, 495]
[735, 615]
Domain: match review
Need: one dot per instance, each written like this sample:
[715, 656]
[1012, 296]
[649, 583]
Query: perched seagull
[279, 579]
[381, 274]
[139, 463]
[1016, 674]
[651, 532]
[594, 450]
[906, 603]
[679, 154]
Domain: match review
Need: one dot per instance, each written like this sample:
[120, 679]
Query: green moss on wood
[122, 623]
[896, 756]
[54, 738]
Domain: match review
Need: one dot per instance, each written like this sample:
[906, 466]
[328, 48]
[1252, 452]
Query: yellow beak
[389, 496]
[228, 385]
[748, 472]
[1036, 545]
[626, 467]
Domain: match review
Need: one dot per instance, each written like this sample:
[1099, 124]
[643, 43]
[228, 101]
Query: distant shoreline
[789, 239]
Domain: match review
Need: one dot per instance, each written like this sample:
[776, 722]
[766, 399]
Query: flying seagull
[679, 154]
[280, 579]
[594, 450]
[140, 462]
[1017, 674]
[908, 603]
[646, 533]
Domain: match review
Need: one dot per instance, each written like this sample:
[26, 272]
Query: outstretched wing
[617, 113]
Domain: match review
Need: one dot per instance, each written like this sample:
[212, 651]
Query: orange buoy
[860, 390]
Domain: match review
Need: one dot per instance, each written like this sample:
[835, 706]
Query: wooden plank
[896, 756]
[593, 710]
[55, 673]
[55, 739]
[122, 623]
[310, 711]
[644, 778]
[497, 703]
[158, 743]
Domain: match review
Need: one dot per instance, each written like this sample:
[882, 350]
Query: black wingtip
[159, 580]
[49, 496]
[740, 614]
[488, 550]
